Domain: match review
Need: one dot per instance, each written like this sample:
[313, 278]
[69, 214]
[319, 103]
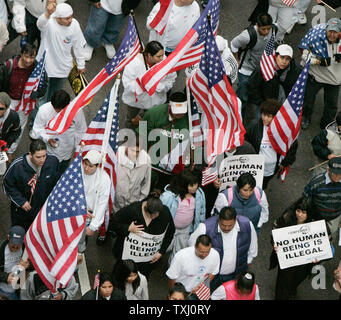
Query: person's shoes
[101, 240]
[302, 18]
[305, 123]
[87, 51]
[290, 28]
[110, 50]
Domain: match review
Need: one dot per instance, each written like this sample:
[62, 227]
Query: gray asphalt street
[233, 20]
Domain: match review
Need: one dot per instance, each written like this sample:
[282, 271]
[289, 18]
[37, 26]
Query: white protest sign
[302, 244]
[233, 166]
[142, 247]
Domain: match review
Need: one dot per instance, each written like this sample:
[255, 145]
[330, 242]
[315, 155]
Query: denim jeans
[103, 27]
[242, 91]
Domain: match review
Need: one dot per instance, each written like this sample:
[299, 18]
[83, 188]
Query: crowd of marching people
[208, 235]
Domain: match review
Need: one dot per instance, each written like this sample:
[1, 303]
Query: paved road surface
[233, 19]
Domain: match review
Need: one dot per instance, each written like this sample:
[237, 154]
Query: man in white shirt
[25, 16]
[191, 266]
[62, 145]
[183, 15]
[97, 185]
[234, 237]
[60, 34]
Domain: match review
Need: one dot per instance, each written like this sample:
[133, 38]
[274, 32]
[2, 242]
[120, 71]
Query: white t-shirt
[190, 270]
[112, 6]
[270, 155]
[58, 40]
[180, 21]
[11, 259]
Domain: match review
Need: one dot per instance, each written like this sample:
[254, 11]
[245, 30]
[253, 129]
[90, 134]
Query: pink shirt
[185, 213]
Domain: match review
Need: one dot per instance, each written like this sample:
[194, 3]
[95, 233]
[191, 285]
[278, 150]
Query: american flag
[53, 237]
[221, 122]
[32, 183]
[160, 20]
[316, 41]
[203, 292]
[285, 126]
[187, 53]
[197, 134]
[129, 48]
[34, 82]
[268, 62]
[94, 138]
[96, 282]
[209, 174]
[289, 3]
[177, 158]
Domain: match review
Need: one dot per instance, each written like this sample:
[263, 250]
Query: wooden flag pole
[328, 6]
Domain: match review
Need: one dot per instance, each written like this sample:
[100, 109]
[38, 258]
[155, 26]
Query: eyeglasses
[2, 109]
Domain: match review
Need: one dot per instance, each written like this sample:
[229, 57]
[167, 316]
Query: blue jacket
[171, 200]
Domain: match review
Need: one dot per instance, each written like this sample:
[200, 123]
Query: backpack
[253, 40]
[5, 74]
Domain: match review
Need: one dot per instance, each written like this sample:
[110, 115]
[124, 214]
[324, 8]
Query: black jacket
[11, 129]
[260, 90]
[15, 184]
[254, 135]
[121, 220]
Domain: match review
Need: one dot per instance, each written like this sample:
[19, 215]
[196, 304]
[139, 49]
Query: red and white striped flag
[285, 126]
[93, 139]
[129, 48]
[32, 183]
[268, 63]
[34, 82]
[203, 292]
[52, 239]
[187, 53]
[197, 134]
[160, 20]
[209, 174]
[96, 282]
[209, 85]
[289, 3]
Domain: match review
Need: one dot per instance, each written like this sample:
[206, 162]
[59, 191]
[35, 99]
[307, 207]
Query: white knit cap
[93, 156]
[63, 10]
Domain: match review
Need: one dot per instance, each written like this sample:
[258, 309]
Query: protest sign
[141, 248]
[233, 166]
[302, 244]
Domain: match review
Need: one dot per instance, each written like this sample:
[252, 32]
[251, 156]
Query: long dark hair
[289, 215]
[122, 271]
[179, 184]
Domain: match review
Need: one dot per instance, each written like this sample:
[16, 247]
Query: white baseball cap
[93, 156]
[285, 50]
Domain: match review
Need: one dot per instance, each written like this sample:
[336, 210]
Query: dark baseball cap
[16, 235]
[334, 165]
